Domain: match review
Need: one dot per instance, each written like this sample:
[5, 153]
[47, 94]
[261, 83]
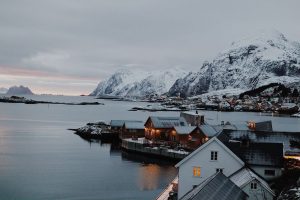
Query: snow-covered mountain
[19, 90]
[248, 64]
[136, 83]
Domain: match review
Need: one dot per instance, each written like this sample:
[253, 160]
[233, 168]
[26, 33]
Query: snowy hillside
[138, 83]
[249, 63]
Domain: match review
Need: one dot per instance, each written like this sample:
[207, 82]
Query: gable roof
[134, 124]
[184, 130]
[120, 123]
[244, 176]
[204, 146]
[208, 130]
[167, 122]
[265, 154]
[267, 137]
[216, 187]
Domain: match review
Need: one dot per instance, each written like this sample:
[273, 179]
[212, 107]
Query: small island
[17, 99]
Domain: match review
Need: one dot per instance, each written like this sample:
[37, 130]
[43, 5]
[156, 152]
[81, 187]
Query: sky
[69, 46]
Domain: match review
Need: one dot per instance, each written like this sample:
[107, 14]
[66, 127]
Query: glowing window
[196, 171]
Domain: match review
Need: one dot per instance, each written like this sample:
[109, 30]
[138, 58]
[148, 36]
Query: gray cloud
[88, 40]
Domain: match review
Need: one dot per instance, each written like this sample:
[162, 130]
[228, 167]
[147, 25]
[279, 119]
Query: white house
[255, 187]
[211, 157]
[215, 156]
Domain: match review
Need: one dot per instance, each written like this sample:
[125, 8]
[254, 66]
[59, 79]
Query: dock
[141, 145]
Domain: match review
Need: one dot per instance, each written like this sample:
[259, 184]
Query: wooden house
[117, 125]
[159, 128]
[132, 129]
[190, 137]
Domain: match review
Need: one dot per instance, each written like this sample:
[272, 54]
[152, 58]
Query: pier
[141, 145]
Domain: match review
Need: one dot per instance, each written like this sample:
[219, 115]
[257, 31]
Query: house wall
[257, 194]
[208, 167]
[129, 133]
[260, 170]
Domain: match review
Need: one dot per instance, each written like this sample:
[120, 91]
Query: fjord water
[41, 159]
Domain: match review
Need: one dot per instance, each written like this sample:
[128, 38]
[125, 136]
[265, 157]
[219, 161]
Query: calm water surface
[41, 159]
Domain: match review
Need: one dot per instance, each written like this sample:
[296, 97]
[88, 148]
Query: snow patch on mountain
[137, 83]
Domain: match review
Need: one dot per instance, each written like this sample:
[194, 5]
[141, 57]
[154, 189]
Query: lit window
[196, 171]
[219, 170]
[213, 155]
[253, 185]
[270, 172]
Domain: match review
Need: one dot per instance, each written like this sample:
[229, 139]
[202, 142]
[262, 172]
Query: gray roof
[120, 123]
[263, 154]
[266, 137]
[208, 130]
[230, 126]
[168, 122]
[216, 187]
[244, 176]
[134, 124]
[184, 130]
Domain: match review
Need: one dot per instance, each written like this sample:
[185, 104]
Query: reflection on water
[148, 177]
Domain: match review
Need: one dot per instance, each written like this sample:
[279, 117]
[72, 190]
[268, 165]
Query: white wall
[208, 167]
[257, 194]
[260, 170]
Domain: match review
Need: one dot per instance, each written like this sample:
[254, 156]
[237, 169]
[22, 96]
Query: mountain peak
[249, 63]
[134, 83]
[19, 90]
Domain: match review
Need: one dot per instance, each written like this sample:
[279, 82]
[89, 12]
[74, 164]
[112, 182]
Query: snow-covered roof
[120, 123]
[216, 187]
[244, 176]
[208, 130]
[167, 122]
[134, 125]
[184, 130]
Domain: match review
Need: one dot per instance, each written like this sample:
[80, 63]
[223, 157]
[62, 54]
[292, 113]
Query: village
[224, 161]
[242, 103]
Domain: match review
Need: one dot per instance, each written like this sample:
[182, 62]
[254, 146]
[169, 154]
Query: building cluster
[227, 161]
[281, 105]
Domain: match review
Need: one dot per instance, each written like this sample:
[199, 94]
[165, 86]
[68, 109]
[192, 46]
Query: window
[213, 155]
[269, 172]
[219, 170]
[196, 171]
[253, 185]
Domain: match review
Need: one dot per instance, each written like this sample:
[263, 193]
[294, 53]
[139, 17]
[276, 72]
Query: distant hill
[3, 90]
[17, 90]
